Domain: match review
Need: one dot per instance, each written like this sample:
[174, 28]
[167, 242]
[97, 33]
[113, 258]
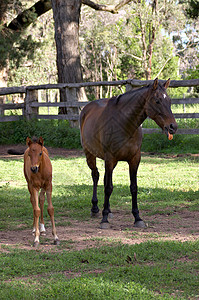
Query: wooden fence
[30, 106]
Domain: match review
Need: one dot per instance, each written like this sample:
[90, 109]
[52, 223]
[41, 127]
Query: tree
[147, 17]
[193, 9]
[66, 18]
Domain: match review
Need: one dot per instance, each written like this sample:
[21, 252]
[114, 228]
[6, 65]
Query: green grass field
[163, 269]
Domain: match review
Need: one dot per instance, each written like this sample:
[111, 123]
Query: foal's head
[158, 108]
[35, 152]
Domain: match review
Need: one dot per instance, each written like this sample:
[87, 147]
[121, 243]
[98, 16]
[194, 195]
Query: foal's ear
[166, 84]
[155, 84]
[41, 141]
[28, 141]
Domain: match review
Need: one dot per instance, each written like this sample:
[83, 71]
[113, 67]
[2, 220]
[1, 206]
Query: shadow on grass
[74, 201]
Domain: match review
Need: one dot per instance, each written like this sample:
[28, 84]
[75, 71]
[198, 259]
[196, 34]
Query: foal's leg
[41, 203]
[133, 167]
[36, 214]
[51, 214]
[31, 200]
[91, 161]
[108, 188]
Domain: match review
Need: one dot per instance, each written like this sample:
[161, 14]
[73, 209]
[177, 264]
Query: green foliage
[180, 143]
[193, 9]
[194, 74]
[33, 59]
[56, 133]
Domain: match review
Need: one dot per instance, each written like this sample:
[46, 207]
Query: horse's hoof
[110, 215]
[140, 224]
[104, 225]
[36, 244]
[95, 215]
[57, 242]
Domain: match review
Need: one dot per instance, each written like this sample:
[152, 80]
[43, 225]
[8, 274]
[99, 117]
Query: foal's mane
[35, 139]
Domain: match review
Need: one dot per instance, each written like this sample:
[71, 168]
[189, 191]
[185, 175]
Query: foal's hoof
[43, 233]
[140, 224]
[36, 244]
[104, 225]
[57, 242]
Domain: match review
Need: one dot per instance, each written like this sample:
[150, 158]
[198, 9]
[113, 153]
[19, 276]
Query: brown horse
[110, 130]
[38, 174]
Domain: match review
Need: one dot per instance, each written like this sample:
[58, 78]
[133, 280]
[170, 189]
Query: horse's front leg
[133, 167]
[108, 188]
[51, 213]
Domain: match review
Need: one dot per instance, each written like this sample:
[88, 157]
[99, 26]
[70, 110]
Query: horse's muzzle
[172, 128]
[34, 169]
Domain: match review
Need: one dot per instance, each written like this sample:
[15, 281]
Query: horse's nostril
[34, 169]
[172, 128]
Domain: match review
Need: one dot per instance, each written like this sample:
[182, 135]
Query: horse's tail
[15, 152]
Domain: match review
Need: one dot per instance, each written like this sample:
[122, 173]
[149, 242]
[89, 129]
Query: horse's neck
[132, 106]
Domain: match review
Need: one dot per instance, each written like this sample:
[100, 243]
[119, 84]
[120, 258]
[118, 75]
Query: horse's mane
[117, 98]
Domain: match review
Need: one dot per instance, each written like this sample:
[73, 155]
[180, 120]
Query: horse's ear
[41, 141]
[167, 83]
[155, 84]
[28, 141]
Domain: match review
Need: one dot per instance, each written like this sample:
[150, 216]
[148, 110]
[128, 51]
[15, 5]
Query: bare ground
[181, 226]
[178, 226]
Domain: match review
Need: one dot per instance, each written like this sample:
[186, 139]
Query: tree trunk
[66, 17]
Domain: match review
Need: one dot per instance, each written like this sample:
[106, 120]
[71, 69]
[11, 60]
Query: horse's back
[94, 108]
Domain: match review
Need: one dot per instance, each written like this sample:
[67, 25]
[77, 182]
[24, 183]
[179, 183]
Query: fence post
[31, 96]
[71, 95]
[1, 110]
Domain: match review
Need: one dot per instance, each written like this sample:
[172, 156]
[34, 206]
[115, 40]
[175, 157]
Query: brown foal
[38, 174]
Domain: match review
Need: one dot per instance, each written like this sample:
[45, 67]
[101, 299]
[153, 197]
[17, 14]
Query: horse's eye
[157, 101]
[40, 154]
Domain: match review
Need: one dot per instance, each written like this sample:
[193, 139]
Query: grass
[158, 273]
[162, 269]
[173, 185]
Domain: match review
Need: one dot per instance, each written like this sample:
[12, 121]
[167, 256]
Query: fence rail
[30, 106]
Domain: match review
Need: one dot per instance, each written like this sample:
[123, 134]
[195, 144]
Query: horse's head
[35, 152]
[158, 108]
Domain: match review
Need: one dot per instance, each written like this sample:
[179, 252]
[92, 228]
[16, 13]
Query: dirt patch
[73, 152]
[181, 226]
[52, 151]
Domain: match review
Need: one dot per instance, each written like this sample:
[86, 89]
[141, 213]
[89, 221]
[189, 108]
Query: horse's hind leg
[41, 202]
[91, 161]
[51, 214]
[108, 188]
